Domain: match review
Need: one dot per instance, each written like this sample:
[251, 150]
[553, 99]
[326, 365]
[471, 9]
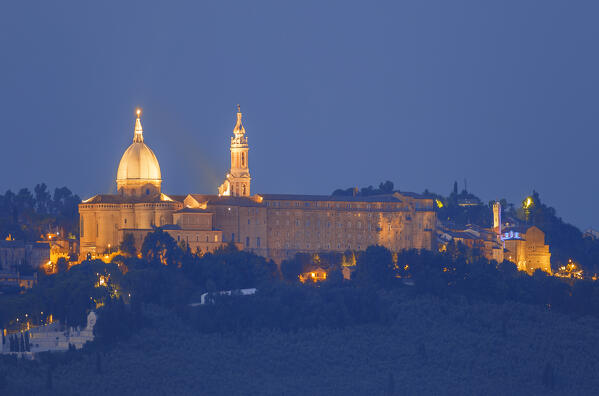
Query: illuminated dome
[139, 171]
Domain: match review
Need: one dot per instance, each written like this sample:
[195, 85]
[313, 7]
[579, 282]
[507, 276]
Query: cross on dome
[239, 130]
[139, 132]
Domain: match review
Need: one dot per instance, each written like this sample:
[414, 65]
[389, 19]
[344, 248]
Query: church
[275, 226]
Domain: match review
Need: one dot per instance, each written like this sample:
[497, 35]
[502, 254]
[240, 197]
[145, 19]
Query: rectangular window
[232, 237]
[258, 242]
[247, 242]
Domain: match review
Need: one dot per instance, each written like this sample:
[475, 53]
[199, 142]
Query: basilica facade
[275, 226]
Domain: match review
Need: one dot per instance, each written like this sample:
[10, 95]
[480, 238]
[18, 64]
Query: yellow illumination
[138, 112]
[439, 203]
[527, 203]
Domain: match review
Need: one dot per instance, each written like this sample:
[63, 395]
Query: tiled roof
[416, 195]
[338, 198]
[225, 200]
[192, 210]
[119, 199]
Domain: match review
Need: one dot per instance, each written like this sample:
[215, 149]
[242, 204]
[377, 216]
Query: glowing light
[527, 203]
[138, 112]
[439, 203]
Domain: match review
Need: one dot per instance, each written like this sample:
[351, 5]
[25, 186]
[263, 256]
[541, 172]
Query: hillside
[430, 346]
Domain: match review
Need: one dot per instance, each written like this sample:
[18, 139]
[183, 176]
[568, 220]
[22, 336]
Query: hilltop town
[89, 277]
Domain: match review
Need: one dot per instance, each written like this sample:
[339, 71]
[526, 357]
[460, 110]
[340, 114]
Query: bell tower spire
[138, 136]
[237, 182]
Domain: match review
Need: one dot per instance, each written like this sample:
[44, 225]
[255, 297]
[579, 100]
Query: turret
[237, 181]
[497, 217]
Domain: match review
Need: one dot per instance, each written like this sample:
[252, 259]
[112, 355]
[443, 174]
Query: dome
[139, 163]
[138, 170]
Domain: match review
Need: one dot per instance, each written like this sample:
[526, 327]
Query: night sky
[334, 94]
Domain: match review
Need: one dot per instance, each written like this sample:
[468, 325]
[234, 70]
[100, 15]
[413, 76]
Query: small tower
[237, 182]
[497, 217]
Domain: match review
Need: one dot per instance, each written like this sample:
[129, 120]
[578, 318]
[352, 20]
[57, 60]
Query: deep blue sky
[334, 94]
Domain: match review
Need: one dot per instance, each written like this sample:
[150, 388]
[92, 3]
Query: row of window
[321, 204]
[186, 238]
[327, 224]
[318, 246]
[317, 235]
[329, 214]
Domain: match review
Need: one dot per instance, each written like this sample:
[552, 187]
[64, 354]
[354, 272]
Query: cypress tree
[98, 363]
[549, 376]
[3, 380]
[390, 385]
[49, 378]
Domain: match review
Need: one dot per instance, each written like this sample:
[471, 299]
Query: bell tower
[237, 182]
[497, 217]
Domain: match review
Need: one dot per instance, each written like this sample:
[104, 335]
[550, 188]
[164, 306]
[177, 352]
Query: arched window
[243, 189]
[81, 228]
[242, 159]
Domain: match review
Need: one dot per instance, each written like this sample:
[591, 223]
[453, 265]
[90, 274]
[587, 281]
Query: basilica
[275, 226]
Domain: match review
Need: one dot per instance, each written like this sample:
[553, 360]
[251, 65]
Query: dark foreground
[430, 347]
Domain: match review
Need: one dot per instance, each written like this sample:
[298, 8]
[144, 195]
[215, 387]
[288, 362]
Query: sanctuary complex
[275, 226]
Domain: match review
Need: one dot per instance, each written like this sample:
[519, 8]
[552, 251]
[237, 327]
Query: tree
[98, 363]
[49, 378]
[127, 246]
[375, 266]
[549, 376]
[3, 380]
[386, 187]
[292, 268]
[390, 385]
[42, 199]
[160, 248]
[62, 265]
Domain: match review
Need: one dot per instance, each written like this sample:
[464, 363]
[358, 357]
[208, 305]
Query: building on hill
[591, 233]
[14, 254]
[54, 337]
[278, 226]
[474, 237]
[522, 245]
[275, 226]
[525, 247]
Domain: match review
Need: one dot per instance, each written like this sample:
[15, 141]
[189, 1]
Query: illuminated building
[522, 245]
[16, 253]
[317, 275]
[275, 226]
[525, 247]
[139, 206]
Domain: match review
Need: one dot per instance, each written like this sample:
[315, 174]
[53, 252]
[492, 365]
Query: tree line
[26, 215]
